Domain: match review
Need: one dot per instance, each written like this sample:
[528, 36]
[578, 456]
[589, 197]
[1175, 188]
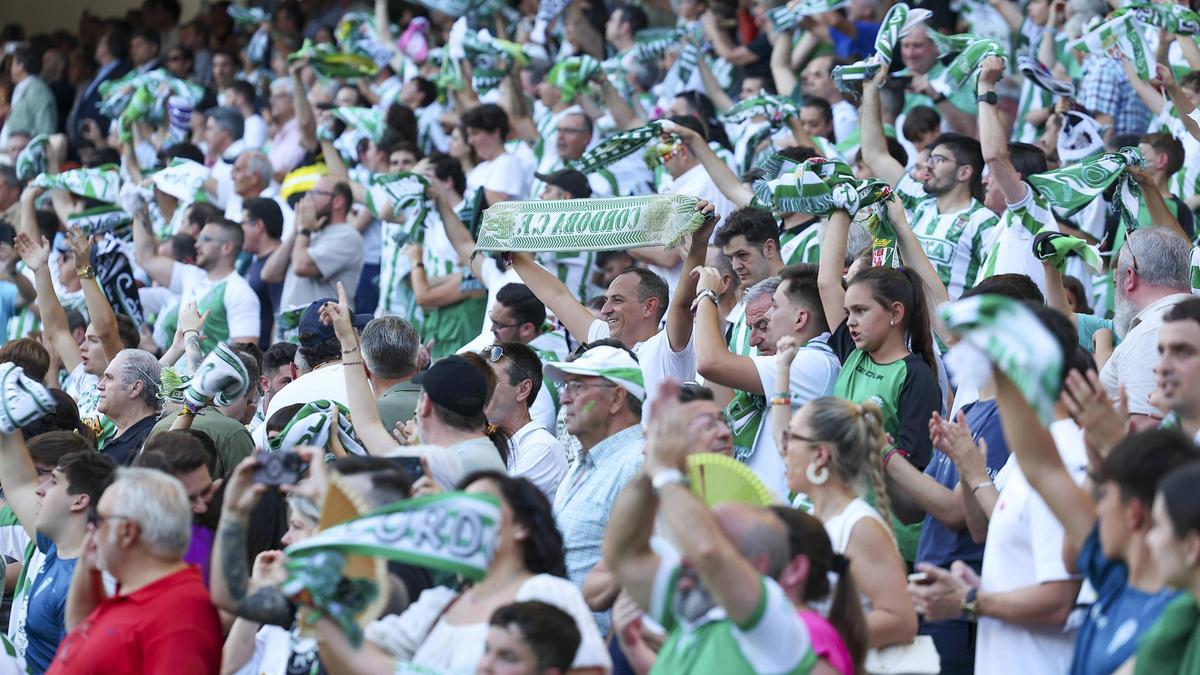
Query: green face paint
[587, 407]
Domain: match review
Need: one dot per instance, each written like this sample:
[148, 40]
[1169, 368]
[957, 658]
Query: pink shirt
[827, 644]
[286, 151]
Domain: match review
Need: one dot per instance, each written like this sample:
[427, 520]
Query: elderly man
[389, 349]
[253, 176]
[728, 560]
[223, 131]
[286, 148]
[129, 397]
[162, 619]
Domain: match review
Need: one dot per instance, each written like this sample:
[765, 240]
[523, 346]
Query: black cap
[456, 385]
[571, 180]
[317, 332]
[8, 234]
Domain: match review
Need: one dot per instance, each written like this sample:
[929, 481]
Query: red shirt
[169, 626]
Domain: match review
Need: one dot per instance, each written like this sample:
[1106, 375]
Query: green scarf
[897, 23]
[368, 121]
[607, 224]
[102, 219]
[31, 161]
[1056, 248]
[746, 413]
[455, 532]
[322, 423]
[958, 74]
[101, 183]
[1075, 186]
[996, 330]
[776, 109]
[248, 16]
[1177, 19]
[1172, 644]
[820, 186]
[617, 147]
[330, 62]
[571, 75]
[1122, 35]
[787, 17]
[221, 379]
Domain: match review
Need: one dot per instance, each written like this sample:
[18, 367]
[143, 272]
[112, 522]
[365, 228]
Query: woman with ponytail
[817, 582]
[831, 449]
[884, 338]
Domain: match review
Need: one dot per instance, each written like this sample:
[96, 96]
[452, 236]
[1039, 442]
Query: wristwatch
[939, 98]
[989, 97]
[710, 294]
[307, 233]
[85, 272]
[970, 606]
[668, 477]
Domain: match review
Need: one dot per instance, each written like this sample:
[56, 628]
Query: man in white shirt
[634, 306]
[1152, 276]
[232, 306]
[817, 81]
[223, 140]
[498, 176]
[534, 452]
[252, 177]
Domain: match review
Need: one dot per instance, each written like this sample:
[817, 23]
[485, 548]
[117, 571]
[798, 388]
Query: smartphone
[410, 465]
[919, 578]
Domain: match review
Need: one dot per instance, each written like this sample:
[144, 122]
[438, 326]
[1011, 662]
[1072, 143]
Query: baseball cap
[456, 385]
[310, 323]
[613, 364]
[571, 180]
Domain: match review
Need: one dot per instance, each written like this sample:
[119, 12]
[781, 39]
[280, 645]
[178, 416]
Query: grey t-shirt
[452, 463]
[337, 250]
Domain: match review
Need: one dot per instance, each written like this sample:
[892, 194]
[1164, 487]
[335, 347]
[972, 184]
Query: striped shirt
[953, 242]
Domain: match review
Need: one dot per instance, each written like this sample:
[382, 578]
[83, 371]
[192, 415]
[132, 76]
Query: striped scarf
[617, 147]
[1120, 38]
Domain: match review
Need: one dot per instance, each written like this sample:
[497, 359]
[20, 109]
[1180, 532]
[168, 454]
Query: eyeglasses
[496, 352]
[497, 326]
[938, 160]
[576, 387]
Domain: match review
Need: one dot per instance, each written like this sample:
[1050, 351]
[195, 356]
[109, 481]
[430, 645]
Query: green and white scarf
[102, 219]
[1040, 75]
[618, 147]
[248, 16]
[787, 17]
[31, 161]
[776, 109]
[492, 58]
[571, 75]
[356, 32]
[651, 43]
[402, 190]
[367, 121]
[454, 532]
[221, 379]
[1056, 248]
[746, 413]
[897, 23]
[819, 186]
[1075, 186]
[996, 330]
[322, 423]
[1120, 38]
[1177, 19]
[330, 62]
[183, 179]
[608, 224]
[958, 74]
[22, 399]
[849, 78]
[101, 183]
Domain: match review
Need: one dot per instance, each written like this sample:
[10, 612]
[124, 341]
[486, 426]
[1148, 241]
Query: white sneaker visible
[23, 401]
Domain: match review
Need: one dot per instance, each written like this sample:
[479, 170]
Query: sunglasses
[496, 352]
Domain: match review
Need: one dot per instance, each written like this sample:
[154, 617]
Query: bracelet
[986, 483]
[780, 400]
[351, 350]
[191, 330]
[887, 456]
[351, 363]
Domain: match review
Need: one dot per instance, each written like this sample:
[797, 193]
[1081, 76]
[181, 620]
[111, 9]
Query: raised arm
[714, 361]
[626, 545]
[870, 124]
[554, 294]
[829, 273]
[20, 480]
[54, 317]
[1150, 95]
[712, 88]
[456, 230]
[1041, 463]
[304, 111]
[104, 320]
[1179, 98]
[1160, 215]
[679, 311]
[737, 55]
[623, 112]
[781, 63]
[722, 176]
[992, 139]
[145, 250]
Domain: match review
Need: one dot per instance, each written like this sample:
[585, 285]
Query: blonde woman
[832, 452]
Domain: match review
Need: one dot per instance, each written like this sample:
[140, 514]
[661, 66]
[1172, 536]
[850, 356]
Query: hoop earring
[817, 477]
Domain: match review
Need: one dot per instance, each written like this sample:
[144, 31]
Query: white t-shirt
[845, 120]
[254, 132]
[695, 182]
[1024, 548]
[238, 302]
[502, 174]
[415, 637]
[327, 383]
[657, 360]
[1132, 362]
[537, 455]
[814, 372]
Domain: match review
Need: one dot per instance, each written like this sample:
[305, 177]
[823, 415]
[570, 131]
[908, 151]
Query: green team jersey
[907, 392]
[574, 269]
[953, 242]
[453, 326]
[801, 245]
[1010, 243]
[774, 639]
[739, 333]
[963, 99]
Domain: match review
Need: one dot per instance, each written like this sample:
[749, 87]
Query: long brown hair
[807, 536]
[904, 286]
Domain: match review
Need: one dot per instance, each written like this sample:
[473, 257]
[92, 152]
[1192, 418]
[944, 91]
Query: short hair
[523, 363]
[280, 418]
[267, 210]
[200, 214]
[552, 634]
[1027, 159]
[127, 330]
[693, 391]
[691, 123]
[755, 224]
[522, 304]
[183, 247]
[448, 168]
[389, 483]
[29, 58]
[88, 473]
[116, 41]
[1139, 461]
[487, 117]
[650, 285]
[184, 151]
[1163, 257]
[967, 152]
[802, 289]
[428, 89]
[245, 90]
[633, 15]
[232, 231]
[389, 347]
[317, 351]
[259, 165]
[8, 174]
[401, 119]
[342, 189]
[765, 287]
[405, 145]
[175, 452]
[279, 355]
[49, 448]
[228, 119]
[919, 121]
[798, 153]
[820, 104]
[76, 320]
[159, 505]
[141, 366]
[148, 35]
[1168, 145]
[29, 354]
[1010, 285]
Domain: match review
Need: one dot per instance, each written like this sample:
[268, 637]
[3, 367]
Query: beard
[935, 186]
[1123, 314]
[692, 604]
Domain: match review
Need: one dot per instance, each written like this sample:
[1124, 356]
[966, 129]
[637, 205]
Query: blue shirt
[860, 46]
[938, 544]
[45, 622]
[1109, 635]
[8, 306]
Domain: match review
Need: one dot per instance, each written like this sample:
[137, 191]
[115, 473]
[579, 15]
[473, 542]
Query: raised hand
[81, 246]
[991, 70]
[340, 317]
[1088, 404]
[191, 320]
[35, 255]
[666, 436]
